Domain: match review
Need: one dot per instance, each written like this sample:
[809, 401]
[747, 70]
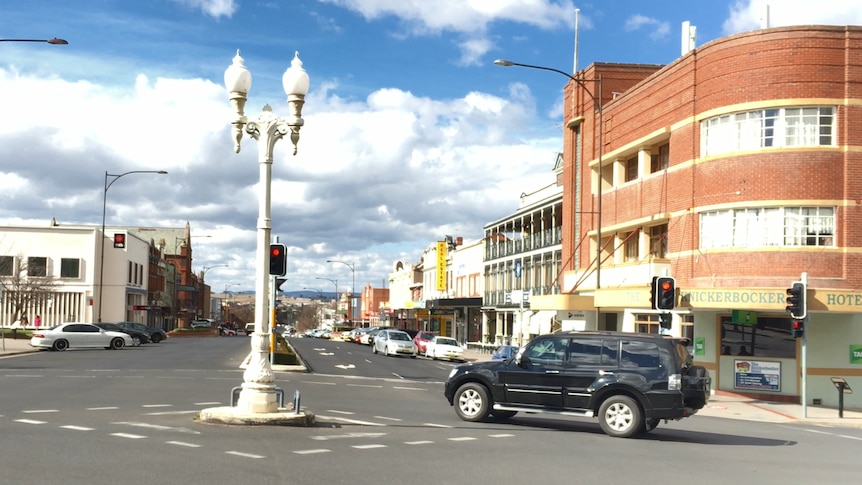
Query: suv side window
[547, 351]
[585, 352]
[639, 354]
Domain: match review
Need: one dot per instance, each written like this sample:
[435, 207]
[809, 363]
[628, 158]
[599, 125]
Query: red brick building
[735, 169]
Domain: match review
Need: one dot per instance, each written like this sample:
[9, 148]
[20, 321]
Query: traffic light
[664, 320]
[797, 329]
[120, 240]
[663, 295]
[277, 259]
[796, 303]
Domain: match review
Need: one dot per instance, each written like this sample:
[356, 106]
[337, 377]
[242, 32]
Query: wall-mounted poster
[760, 375]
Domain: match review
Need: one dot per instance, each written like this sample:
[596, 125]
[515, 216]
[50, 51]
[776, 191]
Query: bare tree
[26, 283]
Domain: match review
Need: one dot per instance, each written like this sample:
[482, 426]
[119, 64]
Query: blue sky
[411, 132]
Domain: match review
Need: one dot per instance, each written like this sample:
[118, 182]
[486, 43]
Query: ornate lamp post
[102, 249]
[597, 104]
[258, 393]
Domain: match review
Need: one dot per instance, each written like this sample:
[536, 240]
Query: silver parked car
[77, 335]
[394, 342]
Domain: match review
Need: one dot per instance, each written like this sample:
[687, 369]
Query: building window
[631, 169]
[661, 160]
[658, 241]
[37, 266]
[7, 265]
[631, 247]
[70, 268]
[768, 227]
[687, 324]
[647, 322]
[769, 128]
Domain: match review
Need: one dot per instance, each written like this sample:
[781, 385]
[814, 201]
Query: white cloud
[213, 8]
[659, 29]
[748, 14]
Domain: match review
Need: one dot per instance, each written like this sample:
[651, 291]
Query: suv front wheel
[620, 417]
[472, 402]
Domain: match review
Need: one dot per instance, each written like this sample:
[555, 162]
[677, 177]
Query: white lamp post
[258, 393]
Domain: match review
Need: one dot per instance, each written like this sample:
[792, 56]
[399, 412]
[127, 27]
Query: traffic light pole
[802, 393]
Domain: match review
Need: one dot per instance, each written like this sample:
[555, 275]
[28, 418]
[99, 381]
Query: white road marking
[348, 435]
[435, 425]
[102, 408]
[339, 412]
[36, 411]
[157, 427]
[849, 437]
[156, 405]
[309, 452]
[244, 455]
[388, 419]
[128, 435]
[368, 447]
[425, 442]
[29, 421]
[364, 385]
[351, 421]
[168, 413]
[182, 443]
[346, 366]
[501, 435]
[211, 403]
[318, 382]
[409, 388]
[463, 438]
[77, 428]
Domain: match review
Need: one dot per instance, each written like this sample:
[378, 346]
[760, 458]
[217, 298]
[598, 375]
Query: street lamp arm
[117, 176]
[580, 82]
[54, 41]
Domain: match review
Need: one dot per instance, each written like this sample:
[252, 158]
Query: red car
[421, 340]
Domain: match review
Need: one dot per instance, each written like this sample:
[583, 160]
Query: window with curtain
[762, 227]
[768, 128]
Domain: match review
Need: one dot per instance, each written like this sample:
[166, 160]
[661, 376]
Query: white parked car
[76, 335]
[394, 342]
[444, 348]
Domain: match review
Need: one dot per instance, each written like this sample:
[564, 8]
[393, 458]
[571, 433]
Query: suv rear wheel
[472, 402]
[620, 417]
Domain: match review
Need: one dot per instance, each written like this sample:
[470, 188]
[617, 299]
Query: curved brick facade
[649, 105]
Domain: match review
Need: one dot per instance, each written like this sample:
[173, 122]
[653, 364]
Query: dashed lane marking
[210, 403]
[351, 421]
[501, 435]
[364, 385]
[387, 418]
[409, 388]
[128, 435]
[103, 408]
[318, 382]
[37, 411]
[183, 443]
[311, 452]
[462, 438]
[339, 412]
[29, 421]
[423, 442]
[156, 427]
[77, 428]
[348, 435]
[244, 455]
[156, 405]
[435, 425]
[368, 447]
[168, 413]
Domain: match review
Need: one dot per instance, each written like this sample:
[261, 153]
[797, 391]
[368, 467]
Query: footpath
[721, 404]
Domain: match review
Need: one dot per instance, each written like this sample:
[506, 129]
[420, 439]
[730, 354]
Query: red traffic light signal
[120, 240]
[797, 328]
[277, 259]
[663, 293]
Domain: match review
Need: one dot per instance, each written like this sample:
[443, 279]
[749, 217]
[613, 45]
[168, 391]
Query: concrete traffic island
[258, 397]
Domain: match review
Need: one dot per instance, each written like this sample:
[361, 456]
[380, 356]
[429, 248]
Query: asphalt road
[94, 417]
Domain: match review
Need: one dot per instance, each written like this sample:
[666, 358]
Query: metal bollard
[296, 401]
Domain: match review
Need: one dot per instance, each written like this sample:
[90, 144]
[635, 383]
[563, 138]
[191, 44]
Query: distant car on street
[76, 335]
[156, 334]
[444, 348]
[421, 340]
[394, 342]
[138, 337]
